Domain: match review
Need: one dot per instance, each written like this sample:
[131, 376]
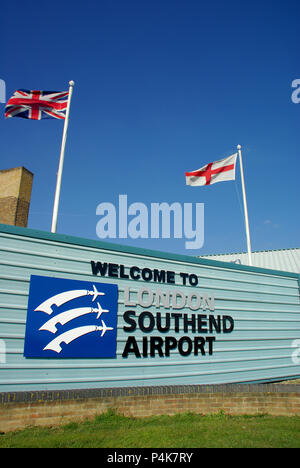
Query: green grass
[186, 430]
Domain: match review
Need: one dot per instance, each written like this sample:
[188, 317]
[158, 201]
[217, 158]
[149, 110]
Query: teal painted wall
[264, 305]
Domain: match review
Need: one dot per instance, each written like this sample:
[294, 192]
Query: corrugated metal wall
[284, 260]
[265, 308]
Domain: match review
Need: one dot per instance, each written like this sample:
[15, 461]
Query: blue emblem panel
[71, 319]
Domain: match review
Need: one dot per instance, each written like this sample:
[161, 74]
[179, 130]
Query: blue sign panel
[71, 319]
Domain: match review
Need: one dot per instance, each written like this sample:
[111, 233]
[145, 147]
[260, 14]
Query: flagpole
[245, 207]
[61, 160]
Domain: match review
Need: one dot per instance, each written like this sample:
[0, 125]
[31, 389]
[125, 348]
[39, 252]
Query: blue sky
[161, 87]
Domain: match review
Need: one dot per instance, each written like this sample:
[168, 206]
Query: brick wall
[15, 195]
[21, 409]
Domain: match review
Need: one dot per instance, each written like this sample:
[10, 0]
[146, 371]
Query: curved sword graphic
[66, 296]
[69, 315]
[73, 334]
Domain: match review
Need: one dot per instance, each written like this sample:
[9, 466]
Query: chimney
[15, 194]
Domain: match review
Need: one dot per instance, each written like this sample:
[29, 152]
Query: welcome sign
[164, 331]
[77, 313]
[66, 319]
[76, 320]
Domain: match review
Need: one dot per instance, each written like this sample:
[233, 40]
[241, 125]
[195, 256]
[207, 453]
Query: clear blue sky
[161, 87]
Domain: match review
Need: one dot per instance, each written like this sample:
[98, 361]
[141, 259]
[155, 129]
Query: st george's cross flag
[214, 172]
[37, 105]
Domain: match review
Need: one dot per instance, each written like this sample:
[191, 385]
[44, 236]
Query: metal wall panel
[264, 304]
[284, 260]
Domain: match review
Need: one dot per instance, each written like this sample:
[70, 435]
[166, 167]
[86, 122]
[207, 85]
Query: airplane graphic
[71, 335]
[66, 296]
[69, 315]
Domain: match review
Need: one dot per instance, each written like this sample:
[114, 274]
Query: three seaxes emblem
[77, 310]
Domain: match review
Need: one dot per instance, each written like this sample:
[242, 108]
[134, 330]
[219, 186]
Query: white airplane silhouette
[66, 296]
[73, 334]
[104, 328]
[69, 315]
[100, 310]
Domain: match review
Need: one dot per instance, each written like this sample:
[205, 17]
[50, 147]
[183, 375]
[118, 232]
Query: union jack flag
[37, 105]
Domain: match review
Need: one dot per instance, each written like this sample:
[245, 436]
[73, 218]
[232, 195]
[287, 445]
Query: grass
[187, 430]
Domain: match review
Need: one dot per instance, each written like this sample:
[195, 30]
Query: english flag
[37, 105]
[214, 172]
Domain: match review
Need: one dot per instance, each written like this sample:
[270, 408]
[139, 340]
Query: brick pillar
[15, 194]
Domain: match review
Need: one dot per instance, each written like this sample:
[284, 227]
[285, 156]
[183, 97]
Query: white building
[284, 259]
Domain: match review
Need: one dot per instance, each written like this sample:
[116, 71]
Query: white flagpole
[245, 207]
[61, 160]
